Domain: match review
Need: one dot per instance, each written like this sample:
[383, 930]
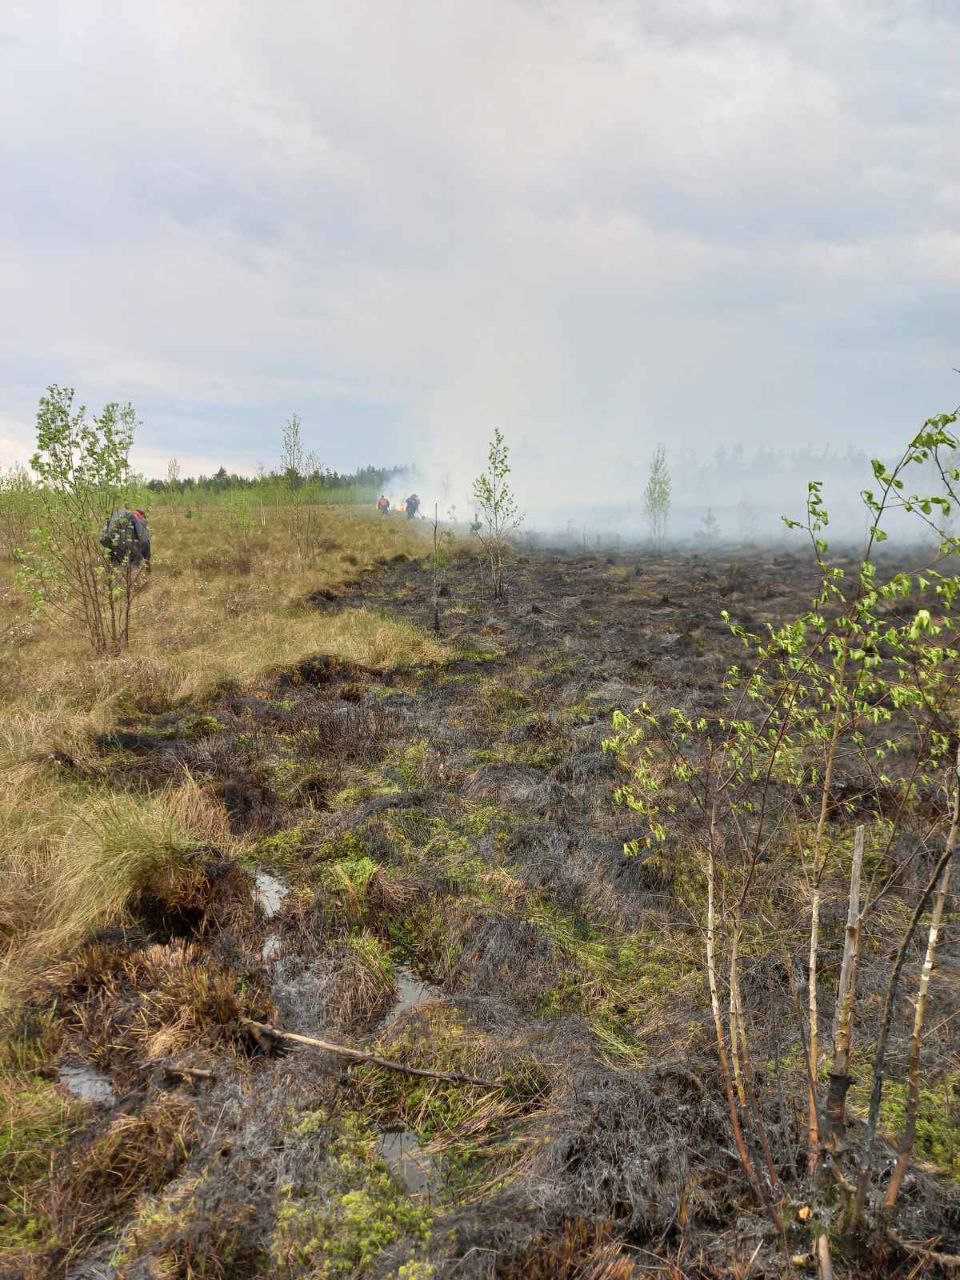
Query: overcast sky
[597, 225]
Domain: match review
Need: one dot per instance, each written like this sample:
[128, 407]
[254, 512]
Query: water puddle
[411, 992]
[269, 893]
[87, 1084]
[418, 1171]
[271, 947]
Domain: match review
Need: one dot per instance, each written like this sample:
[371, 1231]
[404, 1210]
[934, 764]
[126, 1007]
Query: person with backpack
[383, 504]
[126, 539]
[413, 506]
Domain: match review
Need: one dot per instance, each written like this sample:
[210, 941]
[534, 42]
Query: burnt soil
[457, 823]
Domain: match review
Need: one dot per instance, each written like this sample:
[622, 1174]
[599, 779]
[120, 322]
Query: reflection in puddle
[269, 893]
[411, 992]
[416, 1169]
[87, 1084]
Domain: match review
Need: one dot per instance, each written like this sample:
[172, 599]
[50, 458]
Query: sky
[597, 226]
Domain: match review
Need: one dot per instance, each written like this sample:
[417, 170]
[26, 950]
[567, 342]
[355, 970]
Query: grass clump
[74, 858]
[617, 983]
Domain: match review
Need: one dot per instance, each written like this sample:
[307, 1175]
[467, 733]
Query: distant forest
[222, 481]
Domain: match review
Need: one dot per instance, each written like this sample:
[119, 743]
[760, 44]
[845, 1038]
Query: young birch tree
[82, 466]
[498, 514]
[657, 495]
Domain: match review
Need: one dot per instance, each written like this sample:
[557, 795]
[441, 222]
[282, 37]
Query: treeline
[363, 480]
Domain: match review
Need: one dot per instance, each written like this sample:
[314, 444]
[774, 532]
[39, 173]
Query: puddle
[411, 992]
[269, 893]
[417, 1170]
[87, 1084]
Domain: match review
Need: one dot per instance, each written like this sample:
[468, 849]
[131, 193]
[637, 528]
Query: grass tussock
[36, 1123]
[74, 859]
[155, 1003]
[99, 1182]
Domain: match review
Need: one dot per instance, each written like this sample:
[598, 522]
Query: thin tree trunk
[725, 1068]
[734, 1017]
[813, 1123]
[835, 1109]
[919, 1018]
[879, 1062]
[819, 867]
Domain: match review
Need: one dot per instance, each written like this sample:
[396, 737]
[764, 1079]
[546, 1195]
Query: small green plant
[83, 468]
[498, 514]
[656, 496]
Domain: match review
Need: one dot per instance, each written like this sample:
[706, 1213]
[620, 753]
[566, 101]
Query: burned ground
[454, 826]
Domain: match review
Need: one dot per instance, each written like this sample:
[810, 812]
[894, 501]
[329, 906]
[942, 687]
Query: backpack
[121, 537]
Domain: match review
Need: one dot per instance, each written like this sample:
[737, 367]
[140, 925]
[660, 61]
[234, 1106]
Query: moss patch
[341, 1235]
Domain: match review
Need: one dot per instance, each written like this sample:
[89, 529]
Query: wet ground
[434, 869]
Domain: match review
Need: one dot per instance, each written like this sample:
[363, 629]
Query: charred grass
[443, 813]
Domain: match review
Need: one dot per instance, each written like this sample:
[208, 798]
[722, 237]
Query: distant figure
[383, 504]
[413, 506]
[126, 537]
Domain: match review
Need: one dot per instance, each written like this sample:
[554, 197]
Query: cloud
[596, 226]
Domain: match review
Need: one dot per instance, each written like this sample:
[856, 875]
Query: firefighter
[126, 539]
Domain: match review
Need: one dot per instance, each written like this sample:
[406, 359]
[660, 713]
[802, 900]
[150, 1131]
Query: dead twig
[266, 1035]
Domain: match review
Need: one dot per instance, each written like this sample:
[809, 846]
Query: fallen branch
[266, 1035]
[951, 1261]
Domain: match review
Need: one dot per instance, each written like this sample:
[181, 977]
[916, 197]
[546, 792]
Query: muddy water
[400, 1150]
[411, 992]
[417, 1170]
[269, 893]
[86, 1083]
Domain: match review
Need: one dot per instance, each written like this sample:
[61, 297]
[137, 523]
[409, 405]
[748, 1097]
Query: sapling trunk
[886, 1021]
[905, 1149]
[725, 1067]
[835, 1110]
[735, 1010]
[819, 867]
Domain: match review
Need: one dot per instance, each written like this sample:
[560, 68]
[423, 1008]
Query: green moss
[360, 792]
[938, 1118]
[36, 1123]
[200, 726]
[415, 1271]
[505, 703]
[366, 1211]
[536, 755]
[282, 851]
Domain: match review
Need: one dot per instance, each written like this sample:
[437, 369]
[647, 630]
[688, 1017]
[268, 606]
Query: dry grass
[72, 858]
[135, 1155]
[200, 621]
[150, 1005]
[223, 603]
